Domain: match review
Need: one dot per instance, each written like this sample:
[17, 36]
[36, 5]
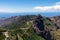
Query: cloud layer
[53, 8]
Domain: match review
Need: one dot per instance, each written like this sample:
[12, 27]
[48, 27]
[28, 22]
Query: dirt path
[25, 28]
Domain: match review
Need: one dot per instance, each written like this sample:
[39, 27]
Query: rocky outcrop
[6, 35]
[39, 22]
[56, 20]
[39, 28]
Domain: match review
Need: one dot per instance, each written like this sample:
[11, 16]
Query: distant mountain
[1, 20]
[15, 20]
[46, 14]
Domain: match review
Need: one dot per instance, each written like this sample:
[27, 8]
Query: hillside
[30, 27]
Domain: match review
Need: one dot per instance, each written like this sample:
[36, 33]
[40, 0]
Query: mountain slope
[31, 27]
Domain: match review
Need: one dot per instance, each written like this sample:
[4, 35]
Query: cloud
[15, 10]
[53, 8]
[58, 3]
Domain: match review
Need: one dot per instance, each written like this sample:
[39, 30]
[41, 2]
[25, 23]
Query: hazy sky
[10, 8]
[18, 6]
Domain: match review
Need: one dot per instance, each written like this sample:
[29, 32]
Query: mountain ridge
[32, 26]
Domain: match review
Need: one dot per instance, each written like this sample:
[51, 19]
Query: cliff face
[39, 22]
[40, 28]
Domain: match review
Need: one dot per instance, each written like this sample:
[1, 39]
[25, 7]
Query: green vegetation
[22, 28]
[48, 23]
[2, 37]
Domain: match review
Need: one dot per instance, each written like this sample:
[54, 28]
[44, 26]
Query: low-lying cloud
[53, 8]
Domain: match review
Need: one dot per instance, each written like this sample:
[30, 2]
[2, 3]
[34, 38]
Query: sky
[21, 6]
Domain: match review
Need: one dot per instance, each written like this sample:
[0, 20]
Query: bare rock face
[39, 22]
[16, 38]
[56, 20]
[6, 35]
[39, 28]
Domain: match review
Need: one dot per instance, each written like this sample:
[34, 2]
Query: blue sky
[20, 6]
